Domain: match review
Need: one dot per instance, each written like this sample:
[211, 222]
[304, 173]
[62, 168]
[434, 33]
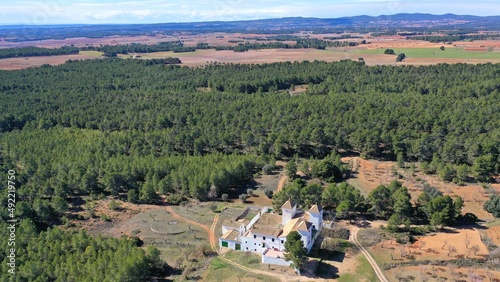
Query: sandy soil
[494, 234]
[28, 62]
[442, 273]
[203, 57]
[372, 173]
[118, 218]
[450, 245]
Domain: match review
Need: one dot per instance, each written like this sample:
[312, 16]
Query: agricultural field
[417, 52]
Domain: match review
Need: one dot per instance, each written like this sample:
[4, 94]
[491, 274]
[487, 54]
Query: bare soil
[494, 234]
[441, 273]
[28, 62]
[453, 244]
[202, 57]
[372, 173]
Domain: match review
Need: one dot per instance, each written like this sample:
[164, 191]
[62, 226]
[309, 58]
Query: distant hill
[398, 22]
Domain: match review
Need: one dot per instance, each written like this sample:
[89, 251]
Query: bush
[269, 193]
[243, 198]
[213, 207]
[132, 196]
[115, 206]
[250, 192]
[267, 169]
[400, 57]
[389, 52]
[105, 217]
[225, 197]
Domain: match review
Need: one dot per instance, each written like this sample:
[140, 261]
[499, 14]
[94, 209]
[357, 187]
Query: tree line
[114, 50]
[453, 38]
[174, 46]
[32, 51]
[299, 44]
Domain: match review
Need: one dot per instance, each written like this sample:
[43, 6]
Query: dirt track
[281, 183]
[378, 272]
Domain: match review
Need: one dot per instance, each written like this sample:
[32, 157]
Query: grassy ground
[222, 271]
[199, 212]
[253, 261]
[364, 272]
[449, 52]
[91, 53]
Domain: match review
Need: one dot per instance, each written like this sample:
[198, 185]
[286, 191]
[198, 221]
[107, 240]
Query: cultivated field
[417, 52]
[28, 62]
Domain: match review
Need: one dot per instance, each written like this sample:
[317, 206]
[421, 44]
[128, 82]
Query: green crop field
[449, 52]
[91, 53]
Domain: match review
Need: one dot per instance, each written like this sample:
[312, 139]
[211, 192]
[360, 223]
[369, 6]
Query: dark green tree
[493, 205]
[400, 57]
[291, 169]
[483, 167]
[295, 250]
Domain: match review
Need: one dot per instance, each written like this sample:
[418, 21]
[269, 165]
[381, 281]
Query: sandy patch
[452, 245]
[494, 234]
[28, 62]
[441, 273]
[372, 173]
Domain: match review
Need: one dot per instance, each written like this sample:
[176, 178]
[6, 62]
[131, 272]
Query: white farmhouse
[266, 232]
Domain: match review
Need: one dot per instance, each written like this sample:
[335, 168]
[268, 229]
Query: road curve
[378, 272]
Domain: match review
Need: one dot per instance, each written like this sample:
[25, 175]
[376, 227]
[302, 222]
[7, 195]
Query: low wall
[273, 260]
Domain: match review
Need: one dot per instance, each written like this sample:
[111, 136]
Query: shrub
[267, 169]
[132, 196]
[389, 52]
[115, 206]
[269, 193]
[243, 198]
[250, 191]
[400, 57]
[213, 207]
[225, 197]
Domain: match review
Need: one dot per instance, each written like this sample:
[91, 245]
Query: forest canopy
[138, 129]
[113, 125]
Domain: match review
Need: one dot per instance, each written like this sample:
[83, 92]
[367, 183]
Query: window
[282, 242]
[255, 249]
[246, 242]
[254, 236]
[272, 240]
[254, 244]
[263, 245]
[247, 248]
[264, 238]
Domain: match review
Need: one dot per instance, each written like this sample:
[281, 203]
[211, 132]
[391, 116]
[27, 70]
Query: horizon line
[245, 20]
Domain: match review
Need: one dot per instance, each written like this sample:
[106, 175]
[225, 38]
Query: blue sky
[156, 11]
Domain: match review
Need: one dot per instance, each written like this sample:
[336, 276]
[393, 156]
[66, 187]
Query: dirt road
[378, 272]
[283, 179]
